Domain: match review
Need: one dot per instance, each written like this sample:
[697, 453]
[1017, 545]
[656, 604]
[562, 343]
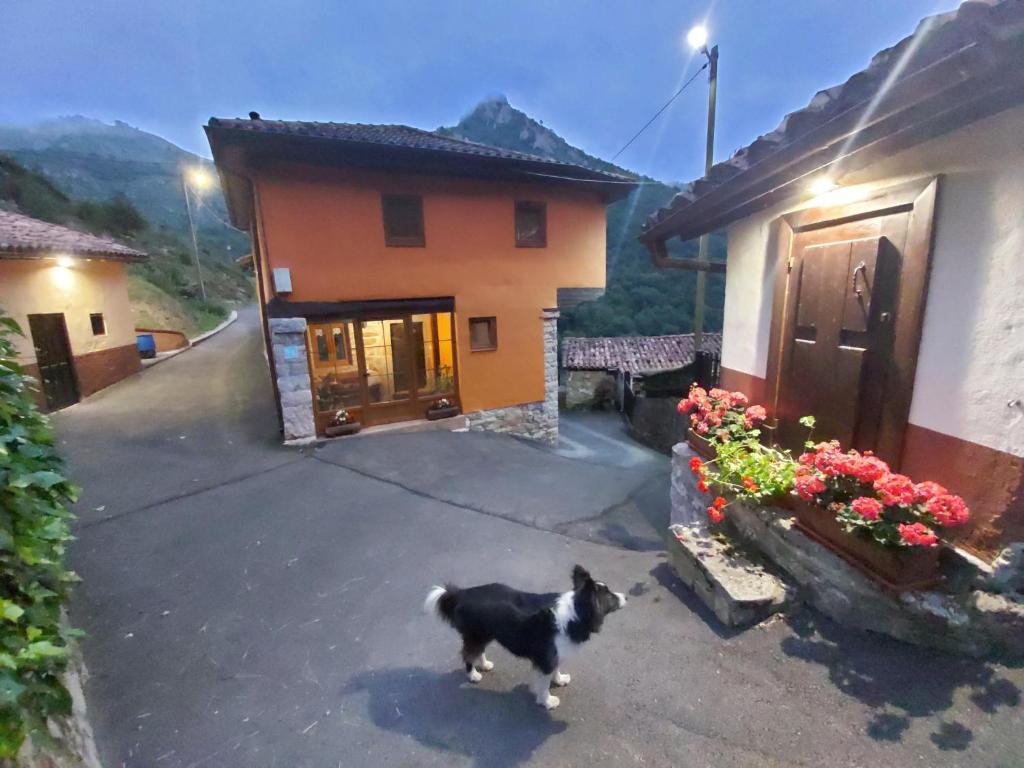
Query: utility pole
[195, 246]
[702, 254]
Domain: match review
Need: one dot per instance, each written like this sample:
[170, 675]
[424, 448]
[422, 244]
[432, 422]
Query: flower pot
[901, 570]
[701, 445]
[433, 414]
[339, 430]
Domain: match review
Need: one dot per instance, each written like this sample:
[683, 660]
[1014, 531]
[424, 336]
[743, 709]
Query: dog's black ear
[580, 577]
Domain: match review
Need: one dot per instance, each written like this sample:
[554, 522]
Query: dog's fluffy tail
[441, 601]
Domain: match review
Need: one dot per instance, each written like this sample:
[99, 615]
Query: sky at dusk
[593, 71]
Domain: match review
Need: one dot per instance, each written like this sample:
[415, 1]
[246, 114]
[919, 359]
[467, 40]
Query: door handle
[862, 267]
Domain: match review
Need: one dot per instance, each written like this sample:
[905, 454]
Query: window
[99, 327]
[403, 220]
[483, 333]
[531, 224]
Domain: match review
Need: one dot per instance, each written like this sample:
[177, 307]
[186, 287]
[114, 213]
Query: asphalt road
[250, 605]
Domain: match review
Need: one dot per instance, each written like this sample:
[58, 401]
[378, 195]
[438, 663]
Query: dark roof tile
[636, 354]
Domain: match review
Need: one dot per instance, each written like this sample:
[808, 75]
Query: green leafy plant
[34, 499]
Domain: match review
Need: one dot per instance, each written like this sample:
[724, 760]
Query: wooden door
[53, 357]
[848, 312]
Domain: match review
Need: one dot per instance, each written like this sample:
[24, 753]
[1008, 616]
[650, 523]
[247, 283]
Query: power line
[656, 114]
[592, 181]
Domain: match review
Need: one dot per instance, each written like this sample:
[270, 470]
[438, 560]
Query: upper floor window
[531, 224]
[99, 325]
[403, 220]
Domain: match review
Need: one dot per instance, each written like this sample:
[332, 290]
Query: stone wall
[537, 421]
[656, 422]
[580, 387]
[291, 366]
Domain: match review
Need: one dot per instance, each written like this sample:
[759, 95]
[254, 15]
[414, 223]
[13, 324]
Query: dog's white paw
[562, 679]
[475, 676]
[550, 702]
[487, 666]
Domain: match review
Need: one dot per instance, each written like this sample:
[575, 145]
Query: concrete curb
[191, 342]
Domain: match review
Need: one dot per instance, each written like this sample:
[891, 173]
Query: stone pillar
[291, 364]
[550, 319]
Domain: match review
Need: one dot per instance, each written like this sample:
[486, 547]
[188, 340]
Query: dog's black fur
[526, 624]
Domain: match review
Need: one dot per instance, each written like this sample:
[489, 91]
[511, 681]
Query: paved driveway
[250, 605]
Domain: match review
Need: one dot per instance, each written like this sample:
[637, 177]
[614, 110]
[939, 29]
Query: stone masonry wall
[291, 364]
[537, 421]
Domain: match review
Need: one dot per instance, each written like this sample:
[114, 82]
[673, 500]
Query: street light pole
[702, 254]
[195, 246]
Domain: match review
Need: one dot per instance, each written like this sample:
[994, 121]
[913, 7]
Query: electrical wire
[656, 114]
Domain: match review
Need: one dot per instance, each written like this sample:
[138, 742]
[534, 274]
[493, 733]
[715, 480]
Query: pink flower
[895, 489]
[948, 510]
[918, 535]
[808, 486]
[685, 406]
[754, 415]
[738, 400]
[927, 490]
[718, 394]
[866, 507]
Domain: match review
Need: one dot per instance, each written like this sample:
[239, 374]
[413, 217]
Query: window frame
[492, 333]
[532, 206]
[103, 323]
[402, 241]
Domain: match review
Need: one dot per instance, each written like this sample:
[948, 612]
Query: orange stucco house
[396, 267]
[68, 291]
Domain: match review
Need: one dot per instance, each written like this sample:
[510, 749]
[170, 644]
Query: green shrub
[34, 499]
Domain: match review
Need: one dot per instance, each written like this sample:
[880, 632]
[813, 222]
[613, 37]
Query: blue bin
[146, 345]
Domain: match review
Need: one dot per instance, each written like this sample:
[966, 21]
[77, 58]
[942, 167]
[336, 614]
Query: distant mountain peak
[495, 122]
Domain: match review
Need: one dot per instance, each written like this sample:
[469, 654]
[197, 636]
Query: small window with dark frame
[403, 220]
[531, 224]
[483, 333]
[99, 326]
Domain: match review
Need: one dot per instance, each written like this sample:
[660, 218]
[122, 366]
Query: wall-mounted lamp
[65, 262]
[821, 185]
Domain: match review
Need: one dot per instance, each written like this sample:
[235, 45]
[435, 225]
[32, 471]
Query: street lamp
[698, 40]
[199, 179]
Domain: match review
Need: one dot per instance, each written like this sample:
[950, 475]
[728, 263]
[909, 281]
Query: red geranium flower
[696, 465]
[754, 415]
[716, 515]
[718, 394]
[686, 405]
[948, 510]
[749, 484]
[866, 507]
[808, 486]
[928, 490]
[718, 503]
[702, 486]
[895, 489]
[918, 535]
[738, 400]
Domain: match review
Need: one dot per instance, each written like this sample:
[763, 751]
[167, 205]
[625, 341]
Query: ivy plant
[34, 582]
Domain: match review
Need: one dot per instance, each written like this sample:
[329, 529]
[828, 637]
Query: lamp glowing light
[697, 38]
[199, 178]
[65, 262]
[821, 186]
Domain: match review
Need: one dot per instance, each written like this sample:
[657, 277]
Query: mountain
[639, 300]
[91, 160]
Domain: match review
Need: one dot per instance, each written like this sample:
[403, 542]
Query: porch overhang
[363, 309]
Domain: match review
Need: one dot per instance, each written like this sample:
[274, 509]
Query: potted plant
[717, 416]
[442, 408]
[343, 423]
[879, 520]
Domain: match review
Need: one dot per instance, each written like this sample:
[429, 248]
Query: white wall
[31, 286]
[971, 362]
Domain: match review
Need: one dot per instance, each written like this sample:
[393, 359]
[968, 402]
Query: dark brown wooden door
[841, 339]
[53, 357]
[847, 317]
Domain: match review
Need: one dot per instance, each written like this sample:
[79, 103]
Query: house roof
[956, 68]
[237, 142]
[24, 237]
[636, 354]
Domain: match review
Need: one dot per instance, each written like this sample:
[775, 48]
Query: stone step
[738, 591]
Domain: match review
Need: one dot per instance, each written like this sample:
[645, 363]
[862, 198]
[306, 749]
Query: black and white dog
[544, 628]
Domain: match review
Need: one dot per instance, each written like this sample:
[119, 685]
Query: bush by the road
[34, 499]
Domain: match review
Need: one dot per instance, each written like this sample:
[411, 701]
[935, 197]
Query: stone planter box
[340, 430]
[701, 446]
[900, 570]
[434, 414]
